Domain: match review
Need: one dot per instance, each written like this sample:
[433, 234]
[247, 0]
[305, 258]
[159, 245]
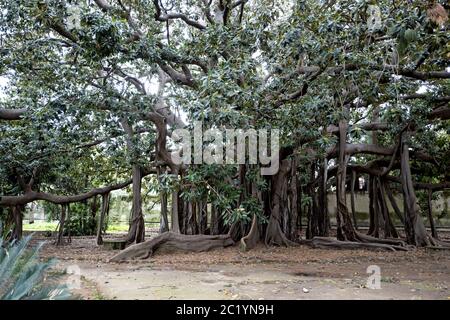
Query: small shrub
[21, 274]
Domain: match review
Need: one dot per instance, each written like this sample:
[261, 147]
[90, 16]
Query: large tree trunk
[17, 215]
[94, 211]
[394, 205]
[274, 233]
[136, 231]
[202, 208]
[252, 238]
[32, 209]
[192, 217]
[389, 228]
[175, 227]
[214, 226]
[69, 231]
[324, 218]
[164, 221]
[352, 198]
[312, 228]
[414, 228]
[372, 199]
[105, 209]
[345, 229]
[293, 193]
[62, 221]
[170, 242]
[378, 219]
[299, 206]
[434, 233]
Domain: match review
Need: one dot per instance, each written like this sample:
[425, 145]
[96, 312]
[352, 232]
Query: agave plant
[21, 273]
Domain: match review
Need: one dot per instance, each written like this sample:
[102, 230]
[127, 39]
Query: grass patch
[40, 226]
[117, 228]
[51, 226]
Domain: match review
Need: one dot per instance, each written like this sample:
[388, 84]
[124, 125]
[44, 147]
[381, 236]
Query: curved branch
[163, 17]
[30, 196]
[442, 113]
[12, 114]
[403, 71]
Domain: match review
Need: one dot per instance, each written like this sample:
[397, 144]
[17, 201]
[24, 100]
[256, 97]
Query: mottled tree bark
[434, 233]
[175, 227]
[170, 241]
[274, 233]
[17, 216]
[62, 221]
[136, 231]
[105, 209]
[394, 205]
[414, 228]
[164, 221]
[214, 221]
[352, 198]
[345, 229]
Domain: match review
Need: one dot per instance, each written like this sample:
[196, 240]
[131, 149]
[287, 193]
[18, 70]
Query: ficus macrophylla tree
[357, 89]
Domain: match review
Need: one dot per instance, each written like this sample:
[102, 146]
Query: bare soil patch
[263, 273]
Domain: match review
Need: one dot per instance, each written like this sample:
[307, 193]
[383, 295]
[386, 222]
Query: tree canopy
[94, 89]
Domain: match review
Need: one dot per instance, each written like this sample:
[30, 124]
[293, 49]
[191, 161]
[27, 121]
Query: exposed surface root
[324, 242]
[439, 244]
[252, 238]
[170, 241]
[369, 239]
[275, 236]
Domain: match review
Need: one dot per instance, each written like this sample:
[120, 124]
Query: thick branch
[159, 16]
[30, 196]
[12, 114]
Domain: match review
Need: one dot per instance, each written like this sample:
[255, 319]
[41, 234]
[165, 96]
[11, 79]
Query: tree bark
[94, 210]
[136, 231]
[17, 214]
[389, 228]
[352, 198]
[293, 201]
[203, 216]
[325, 242]
[12, 114]
[345, 229]
[274, 233]
[252, 238]
[414, 228]
[62, 221]
[299, 206]
[434, 233]
[214, 226]
[105, 208]
[30, 196]
[69, 235]
[170, 242]
[394, 205]
[164, 221]
[372, 200]
[312, 228]
[324, 219]
[175, 227]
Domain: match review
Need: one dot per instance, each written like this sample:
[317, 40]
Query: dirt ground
[263, 273]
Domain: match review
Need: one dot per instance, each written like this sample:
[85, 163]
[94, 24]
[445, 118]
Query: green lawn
[52, 225]
[40, 226]
[117, 228]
